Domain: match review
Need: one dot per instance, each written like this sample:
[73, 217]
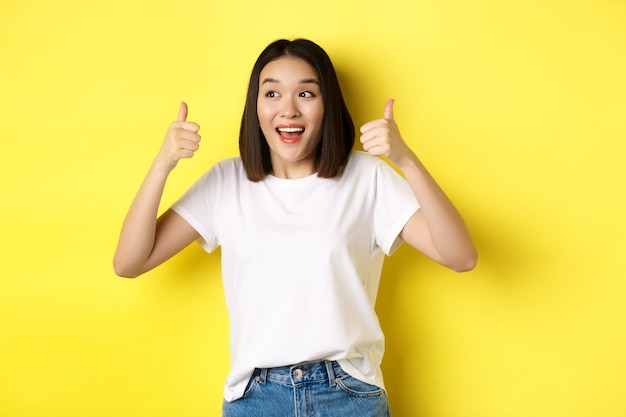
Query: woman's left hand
[381, 137]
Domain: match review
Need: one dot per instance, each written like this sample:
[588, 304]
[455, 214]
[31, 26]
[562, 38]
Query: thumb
[389, 109]
[182, 112]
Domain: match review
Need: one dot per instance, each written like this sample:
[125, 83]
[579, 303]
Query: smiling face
[291, 111]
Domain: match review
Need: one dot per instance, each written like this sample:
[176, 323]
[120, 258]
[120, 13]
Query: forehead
[286, 69]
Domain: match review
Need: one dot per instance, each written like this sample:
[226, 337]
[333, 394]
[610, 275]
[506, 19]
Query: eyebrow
[303, 81]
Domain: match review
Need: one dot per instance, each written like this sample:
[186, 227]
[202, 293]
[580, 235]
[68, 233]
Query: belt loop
[331, 373]
[263, 376]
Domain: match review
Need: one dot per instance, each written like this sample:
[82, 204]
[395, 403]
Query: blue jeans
[320, 389]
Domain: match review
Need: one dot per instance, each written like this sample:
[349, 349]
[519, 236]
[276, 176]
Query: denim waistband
[312, 372]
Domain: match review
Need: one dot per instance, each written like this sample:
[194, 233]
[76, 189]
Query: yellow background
[518, 107]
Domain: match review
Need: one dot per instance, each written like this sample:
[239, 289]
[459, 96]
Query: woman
[304, 224]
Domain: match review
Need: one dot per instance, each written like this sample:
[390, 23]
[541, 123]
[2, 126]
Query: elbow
[124, 271]
[466, 264]
[123, 274]
[466, 267]
[464, 261]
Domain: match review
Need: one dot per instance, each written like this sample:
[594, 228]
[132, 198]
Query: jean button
[297, 373]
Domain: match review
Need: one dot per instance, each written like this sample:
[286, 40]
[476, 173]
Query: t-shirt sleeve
[197, 207]
[394, 206]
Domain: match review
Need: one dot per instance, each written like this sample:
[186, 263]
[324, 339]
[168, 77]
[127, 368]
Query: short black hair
[337, 126]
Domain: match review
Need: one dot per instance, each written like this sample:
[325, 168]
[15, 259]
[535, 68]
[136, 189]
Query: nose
[289, 108]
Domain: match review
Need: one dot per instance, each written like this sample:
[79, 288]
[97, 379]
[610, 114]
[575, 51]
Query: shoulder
[224, 172]
[362, 159]
[229, 168]
[378, 173]
[229, 164]
[362, 163]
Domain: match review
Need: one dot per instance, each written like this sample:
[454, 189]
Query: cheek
[263, 116]
[266, 128]
[319, 116]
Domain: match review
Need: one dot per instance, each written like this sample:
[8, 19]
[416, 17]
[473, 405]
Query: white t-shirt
[301, 262]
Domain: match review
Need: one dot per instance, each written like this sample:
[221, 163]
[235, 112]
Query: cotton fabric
[301, 262]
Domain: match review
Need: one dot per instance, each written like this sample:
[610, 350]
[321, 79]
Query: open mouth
[290, 132]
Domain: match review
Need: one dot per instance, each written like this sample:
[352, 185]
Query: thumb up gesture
[181, 141]
[381, 137]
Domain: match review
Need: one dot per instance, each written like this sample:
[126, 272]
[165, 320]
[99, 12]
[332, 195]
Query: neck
[292, 171]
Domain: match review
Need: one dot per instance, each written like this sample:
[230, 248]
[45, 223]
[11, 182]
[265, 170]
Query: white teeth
[290, 129]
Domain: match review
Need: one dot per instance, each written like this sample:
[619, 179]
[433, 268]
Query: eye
[271, 94]
[306, 94]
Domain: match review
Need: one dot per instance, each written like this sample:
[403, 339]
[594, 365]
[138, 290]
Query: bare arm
[146, 242]
[437, 229]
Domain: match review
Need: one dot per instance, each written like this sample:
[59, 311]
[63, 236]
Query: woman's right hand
[145, 243]
[181, 141]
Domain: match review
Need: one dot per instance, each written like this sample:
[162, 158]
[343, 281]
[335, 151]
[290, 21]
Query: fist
[181, 140]
[381, 137]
